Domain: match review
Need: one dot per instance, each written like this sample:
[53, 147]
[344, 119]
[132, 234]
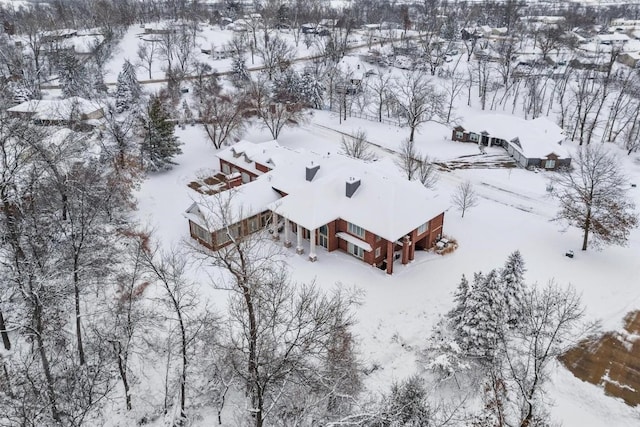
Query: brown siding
[233, 166]
[262, 168]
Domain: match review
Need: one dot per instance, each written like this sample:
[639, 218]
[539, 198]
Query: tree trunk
[256, 392]
[413, 129]
[3, 332]
[587, 224]
[76, 291]
[45, 360]
[122, 368]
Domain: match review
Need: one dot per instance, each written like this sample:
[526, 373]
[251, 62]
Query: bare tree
[275, 116]
[221, 116]
[357, 146]
[276, 55]
[465, 197]
[593, 197]
[418, 100]
[279, 329]
[416, 166]
[550, 323]
[381, 87]
[147, 52]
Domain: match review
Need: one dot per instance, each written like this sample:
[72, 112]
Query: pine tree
[128, 90]
[479, 325]
[73, 77]
[460, 300]
[514, 287]
[239, 72]
[312, 90]
[159, 144]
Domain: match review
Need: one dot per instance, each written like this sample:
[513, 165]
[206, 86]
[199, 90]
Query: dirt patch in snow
[611, 361]
[478, 161]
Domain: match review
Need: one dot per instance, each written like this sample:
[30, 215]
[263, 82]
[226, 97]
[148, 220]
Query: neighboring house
[75, 111]
[333, 202]
[630, 59]
[532, 143]
[616, 39]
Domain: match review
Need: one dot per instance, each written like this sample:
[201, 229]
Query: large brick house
[532, 143]
[320, 202]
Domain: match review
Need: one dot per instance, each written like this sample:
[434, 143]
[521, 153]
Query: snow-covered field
[398, 312]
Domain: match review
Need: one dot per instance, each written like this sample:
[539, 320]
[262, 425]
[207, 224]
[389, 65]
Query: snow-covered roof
[239, 203]
[385, 202]
[56, 109]
[615, 37]
[538, 137]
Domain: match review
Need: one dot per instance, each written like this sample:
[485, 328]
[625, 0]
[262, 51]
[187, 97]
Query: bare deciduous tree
[275, 116]
[593, 197]
[276, 55]
[418, 100]
[465, 197]
[356, 146]
[280, 330]
[147, 52]
[416, 166]
[550, 323]
[221, 116]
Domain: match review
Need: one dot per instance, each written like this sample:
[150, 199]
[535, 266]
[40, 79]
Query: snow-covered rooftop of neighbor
[538, 137]
[55, 109]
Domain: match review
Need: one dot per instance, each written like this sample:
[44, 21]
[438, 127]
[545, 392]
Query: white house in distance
[59, 112]
[532, 143]
[332, 201]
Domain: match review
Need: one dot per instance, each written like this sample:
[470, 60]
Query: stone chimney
[312, 170]
[352, 186]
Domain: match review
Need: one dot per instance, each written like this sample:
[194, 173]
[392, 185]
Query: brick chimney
[352, 186]
[312, 170]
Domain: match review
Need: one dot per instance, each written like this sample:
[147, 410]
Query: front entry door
[323, 236]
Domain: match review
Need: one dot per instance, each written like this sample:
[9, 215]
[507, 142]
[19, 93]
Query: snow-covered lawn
[398, 311]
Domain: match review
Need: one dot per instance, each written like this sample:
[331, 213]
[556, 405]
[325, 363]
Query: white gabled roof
[385, 203]
[56, 109]
[538, 137]
[237, 203]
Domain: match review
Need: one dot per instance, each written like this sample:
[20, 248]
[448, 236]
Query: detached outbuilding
[533, 143]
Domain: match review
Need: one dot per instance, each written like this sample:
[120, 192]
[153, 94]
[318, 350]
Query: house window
[550, 164]
[378, 238]
[423, 228]
[265, 218]
[226, 169]
[254, 224]
[378, 252]
[245, 177]
[474, 137]
[355, 230]
[459, 135]
[222, 236]
[201, 233]
[354, 250]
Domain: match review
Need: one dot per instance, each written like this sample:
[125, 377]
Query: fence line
[366, 116]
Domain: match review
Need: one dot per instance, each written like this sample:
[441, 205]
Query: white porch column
[312, 245]
[274, 227]
[299, 248]
[287, 242]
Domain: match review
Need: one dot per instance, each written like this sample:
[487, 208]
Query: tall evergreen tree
[159, 144]
[128, 89]
[73, 76]
[514, 288]
[481, 319]
[460, 300]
